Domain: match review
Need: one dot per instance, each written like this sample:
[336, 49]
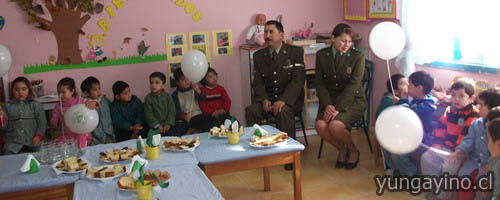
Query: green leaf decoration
[139, 146]
[151, 132]
[160, 182]
[135, 166]
[257, 132]
[141, 174]
[34, 168]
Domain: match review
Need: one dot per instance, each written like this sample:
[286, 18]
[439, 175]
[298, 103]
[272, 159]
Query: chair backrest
[367, 83]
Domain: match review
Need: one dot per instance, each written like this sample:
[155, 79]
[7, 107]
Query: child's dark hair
[494, 129]
[88, 83]
[342, 28]
[494, 113]
[491, 97]
[424, 79]
[395, 80]
[119, 86]
[204, 80]
[159, 75]
[68, 82]
[24, 80]
[178, 74]
[469, 88]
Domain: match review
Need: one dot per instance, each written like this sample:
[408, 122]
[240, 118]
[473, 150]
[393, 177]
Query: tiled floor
[320, 180]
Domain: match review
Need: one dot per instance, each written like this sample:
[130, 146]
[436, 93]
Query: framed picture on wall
[382, 9]
[172, 66]
[176, 45]
[223, 43]
[199, 41]
[355, 10]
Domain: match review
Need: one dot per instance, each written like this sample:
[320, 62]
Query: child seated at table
[420, 84]
[69, 97]
[214, 102]
[186, 103]
[127, 113]
[159, 107]
[452, 127]
[494, 149]
[23, 119]
[103, 133]
[400, 85]
[473, 149]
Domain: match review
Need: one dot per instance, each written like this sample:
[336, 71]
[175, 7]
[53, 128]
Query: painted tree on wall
[66, 25]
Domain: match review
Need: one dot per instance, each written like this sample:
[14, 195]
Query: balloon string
[62, 114]
[436, 150]
[390, 79]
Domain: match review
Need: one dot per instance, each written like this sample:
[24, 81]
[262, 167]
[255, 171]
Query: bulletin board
[355, 10]
[382, 9]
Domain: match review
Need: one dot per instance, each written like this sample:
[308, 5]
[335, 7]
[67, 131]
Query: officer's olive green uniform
[278, 79]
[339, 83]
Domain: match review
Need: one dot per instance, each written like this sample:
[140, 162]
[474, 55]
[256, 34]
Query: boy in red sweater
[215, 101]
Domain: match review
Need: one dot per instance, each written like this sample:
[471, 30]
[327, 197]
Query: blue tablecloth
[12, 179]
[216, 150]
[165, 158]
[187, 182]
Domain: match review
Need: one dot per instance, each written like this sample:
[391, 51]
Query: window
[454, 32]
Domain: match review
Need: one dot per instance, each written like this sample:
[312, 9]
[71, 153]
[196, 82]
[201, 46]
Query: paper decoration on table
[31, 165]
[137, 161]
[153, 136]
[142, 48]
[199, 41]
[161, 184]
[227, 123]
[223, 43]
[235, 128]
[140, 144]
[256, 130]
[156, 140]
[176, 45]
[2, 22]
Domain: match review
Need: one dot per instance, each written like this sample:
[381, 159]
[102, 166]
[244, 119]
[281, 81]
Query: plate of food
[71, 165]
[106, 173]
[127, 183]
[269, 141]
[117, 155]
[222, 131]
[181, 144]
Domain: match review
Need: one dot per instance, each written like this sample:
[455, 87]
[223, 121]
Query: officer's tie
[338, 57]
[274, 57]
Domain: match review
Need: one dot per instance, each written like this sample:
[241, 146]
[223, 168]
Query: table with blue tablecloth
[165, 158]
[186, 182]
[216, 156]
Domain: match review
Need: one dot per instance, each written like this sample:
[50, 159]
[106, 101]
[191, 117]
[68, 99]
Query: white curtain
[460, 31]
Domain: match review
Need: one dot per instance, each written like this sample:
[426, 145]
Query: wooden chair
[365, 119]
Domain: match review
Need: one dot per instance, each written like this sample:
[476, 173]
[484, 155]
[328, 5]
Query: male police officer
[278, 81]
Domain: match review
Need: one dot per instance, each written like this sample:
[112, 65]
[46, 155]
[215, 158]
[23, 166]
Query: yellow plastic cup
[233, 138]
[144, 192]
[152, 153]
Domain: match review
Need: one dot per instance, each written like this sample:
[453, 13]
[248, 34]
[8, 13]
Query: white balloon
[387, 40]
[399, 130]
[80, 119]
[5, 60]
[194, 65]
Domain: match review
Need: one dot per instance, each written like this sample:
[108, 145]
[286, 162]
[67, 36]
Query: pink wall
[29, 45]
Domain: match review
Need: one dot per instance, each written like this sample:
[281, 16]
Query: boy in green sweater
[127, 112]
[159, 107]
